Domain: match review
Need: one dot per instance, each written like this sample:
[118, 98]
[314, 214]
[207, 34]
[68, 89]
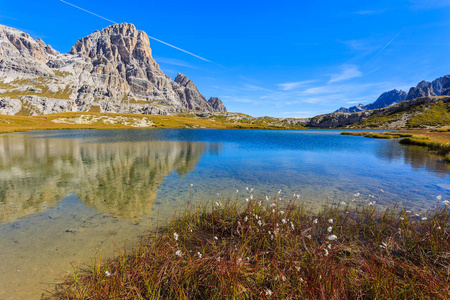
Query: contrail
[375, 56]
[150, 37]
[88, 11]
[190, 53]
[381, 50]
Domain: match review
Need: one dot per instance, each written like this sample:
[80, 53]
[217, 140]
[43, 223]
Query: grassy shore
[437, 141]
[91, 120]
[266, 249]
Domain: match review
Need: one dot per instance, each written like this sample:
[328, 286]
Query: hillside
[424, 112]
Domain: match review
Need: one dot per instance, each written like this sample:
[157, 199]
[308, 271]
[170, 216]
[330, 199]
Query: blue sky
[278, 58]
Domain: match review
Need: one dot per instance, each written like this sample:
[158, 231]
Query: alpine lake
[68, 195]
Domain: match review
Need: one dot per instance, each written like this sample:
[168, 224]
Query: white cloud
[292, 85]
[347, 72]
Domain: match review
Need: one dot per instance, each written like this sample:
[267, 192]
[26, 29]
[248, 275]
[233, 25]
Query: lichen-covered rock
[111, 70]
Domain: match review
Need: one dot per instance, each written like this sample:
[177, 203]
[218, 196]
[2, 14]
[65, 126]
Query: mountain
[423, 89]
[423, 112]
[385, 99]
[111, 70]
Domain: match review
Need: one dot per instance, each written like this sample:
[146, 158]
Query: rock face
[427, 89]
[385, 99]
[423, 89]
[446, 86]
[339, 119]
[111, 70]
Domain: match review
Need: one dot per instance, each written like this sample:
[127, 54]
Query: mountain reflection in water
[115, 178]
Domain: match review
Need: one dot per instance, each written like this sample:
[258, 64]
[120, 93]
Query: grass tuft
[268, 250]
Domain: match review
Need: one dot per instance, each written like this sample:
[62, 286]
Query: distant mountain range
[438, 87]
[111, 70]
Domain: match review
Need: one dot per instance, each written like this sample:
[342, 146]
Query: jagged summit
[111, 70]
[438, 87]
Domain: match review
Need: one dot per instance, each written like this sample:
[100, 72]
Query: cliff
[111, 70]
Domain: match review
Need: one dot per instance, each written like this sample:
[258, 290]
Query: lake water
[66, 194]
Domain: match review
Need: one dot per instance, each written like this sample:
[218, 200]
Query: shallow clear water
[64, 194]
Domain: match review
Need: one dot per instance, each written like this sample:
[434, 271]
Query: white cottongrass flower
[218, 259]
[401, 218]
[297, 268]
[329, 246]
[326, 252]
[292, 226]
[216, 238]
[446, 202]
[356, 194]
[330, 228]
[260, 223]
[246, 199]
[251, 190]
[267, 198]
[424, 218]
[268, 292]
[273, 205]
[245, 219]
[192, 184]
[439, 227]
[107, 273]
[251, 197]
[179, 253]
[259, 203]
[175, 236]
[372, 203]
[382, 190]
[283, 278]
[315, 221]
[439, 197]
[237, 191]
[308, 236]
[343, 203]
[330, 221]
[332, 237]
[298, 196]
[279, 192]
[273, 210]
[282, 212]
[283, 221]
[218, 203]
[246, 188]
[199, 255]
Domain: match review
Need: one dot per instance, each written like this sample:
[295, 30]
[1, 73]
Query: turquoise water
[64, 194]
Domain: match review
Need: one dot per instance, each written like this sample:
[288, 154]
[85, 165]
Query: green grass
[440, 148]
[376, 135]
[376, 121]
[436, 114]
[270, 250]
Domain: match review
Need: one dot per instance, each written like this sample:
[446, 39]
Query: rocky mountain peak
[111, 70]
[185, 81]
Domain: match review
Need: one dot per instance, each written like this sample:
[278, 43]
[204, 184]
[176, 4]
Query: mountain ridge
[439, 86]
[111, 70]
